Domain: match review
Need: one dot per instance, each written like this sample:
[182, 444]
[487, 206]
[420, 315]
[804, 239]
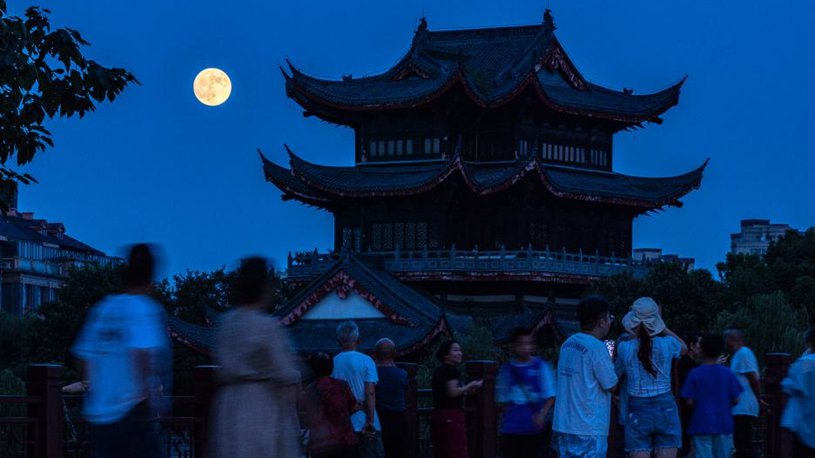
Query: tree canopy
[43, 74]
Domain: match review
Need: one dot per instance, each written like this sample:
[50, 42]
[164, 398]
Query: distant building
[654, 255]
[756, 235]
[35, 258]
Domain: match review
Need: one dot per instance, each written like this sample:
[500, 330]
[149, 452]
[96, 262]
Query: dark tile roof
[493, 65]
[19, 228]
[412, 318]
[317, 184]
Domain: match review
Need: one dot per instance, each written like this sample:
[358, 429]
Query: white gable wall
[331, 307]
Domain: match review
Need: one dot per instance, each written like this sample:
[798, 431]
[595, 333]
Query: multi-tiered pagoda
[482, 192]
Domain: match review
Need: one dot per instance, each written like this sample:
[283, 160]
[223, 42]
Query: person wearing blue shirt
[526, 389]
[711, 390]
[390, 399]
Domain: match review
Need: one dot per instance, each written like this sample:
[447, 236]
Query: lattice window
[376, 236]
[421, 235]
[346, 237]
[387, 236]
[433, 236]
[357, 239]
[399, 235]
[410, 236]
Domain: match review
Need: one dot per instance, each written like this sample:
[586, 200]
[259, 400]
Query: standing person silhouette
[447, 422]
[585, 381]
[254, 412]
[652, 417]
[124, 353]
[390, 399]
[359, 370]
[744, 363]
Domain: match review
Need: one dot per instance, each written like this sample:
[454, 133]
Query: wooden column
[778, 440]
[204, 390]
[412, 412]
[45, 382]
[485, 424]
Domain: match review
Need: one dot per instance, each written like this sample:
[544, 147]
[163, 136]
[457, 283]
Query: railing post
[778, 440]
[485, 442]
[204, 391]
[412, 409]
[45, 381]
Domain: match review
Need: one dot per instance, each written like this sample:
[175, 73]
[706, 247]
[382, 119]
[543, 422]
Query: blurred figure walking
[390, 399]
[799, 415]
[124, 352]
[255, 411]
[526, 389]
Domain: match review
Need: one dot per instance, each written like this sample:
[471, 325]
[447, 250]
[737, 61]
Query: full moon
[212, 87]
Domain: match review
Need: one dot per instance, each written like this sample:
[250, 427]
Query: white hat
[644, 311]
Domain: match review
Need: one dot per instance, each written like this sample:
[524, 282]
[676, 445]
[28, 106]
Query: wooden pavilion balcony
[453, 264]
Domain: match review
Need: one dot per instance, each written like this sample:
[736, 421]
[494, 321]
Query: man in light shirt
[359, 370]
[744, 363]
[800, 411]
[124, 353]
[585, 380]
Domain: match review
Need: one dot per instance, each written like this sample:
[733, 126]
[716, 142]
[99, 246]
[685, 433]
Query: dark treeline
[770, 297]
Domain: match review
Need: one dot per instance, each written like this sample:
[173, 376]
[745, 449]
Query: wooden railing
[44, 424]
[509, 262]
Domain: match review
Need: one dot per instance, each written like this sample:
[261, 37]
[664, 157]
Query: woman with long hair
[447, 423]
[652, 426]
[254, 412]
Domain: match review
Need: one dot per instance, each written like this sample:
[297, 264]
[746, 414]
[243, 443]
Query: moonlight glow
[212, 87]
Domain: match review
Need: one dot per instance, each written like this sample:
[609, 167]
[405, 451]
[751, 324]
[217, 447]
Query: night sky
[158, 166]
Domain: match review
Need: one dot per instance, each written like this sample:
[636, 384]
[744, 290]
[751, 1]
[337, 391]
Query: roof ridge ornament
[422, 25]
[548, 19]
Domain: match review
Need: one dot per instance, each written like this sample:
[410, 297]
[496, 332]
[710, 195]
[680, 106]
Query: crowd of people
[354, 405]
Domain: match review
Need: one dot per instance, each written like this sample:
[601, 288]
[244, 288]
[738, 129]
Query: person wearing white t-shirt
[359, 371]
[124, 353]
[799, 385]
[745, 365]
[585, 381]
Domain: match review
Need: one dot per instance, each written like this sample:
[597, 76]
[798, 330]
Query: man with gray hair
[359, 371]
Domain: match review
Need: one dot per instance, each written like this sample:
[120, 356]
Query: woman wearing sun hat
[652, 422]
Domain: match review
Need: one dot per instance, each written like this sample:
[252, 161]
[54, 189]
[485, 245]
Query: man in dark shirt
[390, 399]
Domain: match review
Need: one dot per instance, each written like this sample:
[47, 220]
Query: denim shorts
[652, 424]
[579, 446]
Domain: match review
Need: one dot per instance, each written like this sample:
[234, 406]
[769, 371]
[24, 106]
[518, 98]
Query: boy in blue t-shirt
[526, 389]
[711, 390]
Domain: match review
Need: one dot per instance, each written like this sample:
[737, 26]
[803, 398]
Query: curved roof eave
[300, 88]
[687, 183]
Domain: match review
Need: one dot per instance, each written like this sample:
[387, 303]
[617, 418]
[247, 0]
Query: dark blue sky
[158, 166]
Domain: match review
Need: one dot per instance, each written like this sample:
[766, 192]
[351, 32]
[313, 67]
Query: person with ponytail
[652, 426]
